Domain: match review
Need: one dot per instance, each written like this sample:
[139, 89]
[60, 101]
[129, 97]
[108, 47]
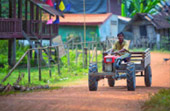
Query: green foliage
[3, 46]
[131, 7]
[158, 102]
[5, 8]
[69, 73]
[165, 43]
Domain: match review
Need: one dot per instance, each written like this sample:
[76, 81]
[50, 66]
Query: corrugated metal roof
[47, 8]
[160, 22]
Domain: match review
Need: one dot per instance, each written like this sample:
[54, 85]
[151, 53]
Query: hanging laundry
[55, 5]
[57, 21]
[49, 22]
[62, 6]
[49, 2]
[68, 7]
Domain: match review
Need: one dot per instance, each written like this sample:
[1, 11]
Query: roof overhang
[47, 8]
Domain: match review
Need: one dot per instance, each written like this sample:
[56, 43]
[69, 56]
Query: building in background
[22, 20]
[102, 25]
[101, 18]
[147, 30]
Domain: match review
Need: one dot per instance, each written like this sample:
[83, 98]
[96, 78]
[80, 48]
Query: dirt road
[78, 98]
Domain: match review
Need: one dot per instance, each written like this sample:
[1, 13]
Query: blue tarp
[92, 6]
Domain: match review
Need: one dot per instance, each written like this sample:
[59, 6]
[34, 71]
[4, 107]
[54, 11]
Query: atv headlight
[109, 60]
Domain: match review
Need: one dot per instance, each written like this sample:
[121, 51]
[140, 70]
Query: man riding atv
[121, 45]
[121, 48]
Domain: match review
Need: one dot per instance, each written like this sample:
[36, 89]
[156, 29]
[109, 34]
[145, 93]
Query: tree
[131, 7]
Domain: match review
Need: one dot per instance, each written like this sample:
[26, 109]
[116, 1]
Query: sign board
[58, 41]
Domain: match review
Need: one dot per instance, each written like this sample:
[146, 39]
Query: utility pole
[84, 7]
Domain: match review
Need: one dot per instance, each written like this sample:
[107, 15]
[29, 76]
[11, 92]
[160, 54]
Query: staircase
[36, 40]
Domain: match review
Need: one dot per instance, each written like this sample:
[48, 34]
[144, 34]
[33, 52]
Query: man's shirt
[118, 46]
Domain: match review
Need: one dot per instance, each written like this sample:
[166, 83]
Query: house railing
[10, 26]
[40, 28]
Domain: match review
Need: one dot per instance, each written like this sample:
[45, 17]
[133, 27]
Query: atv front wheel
[92, 80]
[131, 77]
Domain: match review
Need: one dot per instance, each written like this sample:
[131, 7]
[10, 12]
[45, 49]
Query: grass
[143, 49]
[158, 102]
[69, 73]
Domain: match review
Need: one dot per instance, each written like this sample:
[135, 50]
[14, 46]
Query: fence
[50, 65]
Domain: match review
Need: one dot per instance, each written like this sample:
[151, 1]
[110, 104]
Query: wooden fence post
[85, 52]
[68, 55]
[89, 52]
[28, 67]
[96, 53]
[39, 63]
[58, 59]
[76, 55]
[49, 61]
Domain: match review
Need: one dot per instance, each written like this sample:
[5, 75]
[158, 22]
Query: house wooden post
[20, 9]
[26, 15]
[37, 18]
[12, 42]
[10, 8]
[12, 51]
[0, 9]
[31, 16]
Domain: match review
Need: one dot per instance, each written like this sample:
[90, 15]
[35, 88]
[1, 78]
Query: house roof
[47, 8]
[126, 19]
[159, 21]
[78, 19]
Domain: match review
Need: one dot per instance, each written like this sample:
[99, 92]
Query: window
[143, 31]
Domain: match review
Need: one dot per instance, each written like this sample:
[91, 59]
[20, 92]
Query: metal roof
[47, 8]
[90, 19]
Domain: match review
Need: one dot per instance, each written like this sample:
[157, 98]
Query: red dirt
[79, 98]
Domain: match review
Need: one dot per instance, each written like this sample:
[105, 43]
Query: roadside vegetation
[158, 102]
[69, 72]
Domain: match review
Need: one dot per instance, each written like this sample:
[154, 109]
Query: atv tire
[92, 80]
[148, 76]
[131, 77]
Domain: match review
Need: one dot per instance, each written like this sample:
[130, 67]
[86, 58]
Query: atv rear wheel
[148, 76]
[92, 80]
[111, 82]
[131, 77]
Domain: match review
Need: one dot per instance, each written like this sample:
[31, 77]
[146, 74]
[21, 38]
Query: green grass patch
[69, 73]
[158, 102]
[143, 49]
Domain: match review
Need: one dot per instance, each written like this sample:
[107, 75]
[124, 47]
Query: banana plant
[139, 6]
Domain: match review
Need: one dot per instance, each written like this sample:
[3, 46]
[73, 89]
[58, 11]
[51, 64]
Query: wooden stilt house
[24, 21]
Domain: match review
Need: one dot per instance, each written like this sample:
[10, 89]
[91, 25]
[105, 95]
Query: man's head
[120, 37]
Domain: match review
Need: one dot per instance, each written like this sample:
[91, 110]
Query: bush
[158, 102]
[165, 43]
